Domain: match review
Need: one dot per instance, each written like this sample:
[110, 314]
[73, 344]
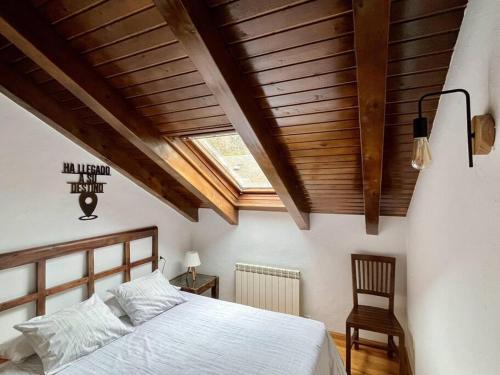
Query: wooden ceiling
[323, 92]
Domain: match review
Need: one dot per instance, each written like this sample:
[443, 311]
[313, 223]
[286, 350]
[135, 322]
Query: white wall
[36, 209]
[322, 254]
[454, 219]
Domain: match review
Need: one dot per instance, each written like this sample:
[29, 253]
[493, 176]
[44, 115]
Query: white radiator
[268, 288]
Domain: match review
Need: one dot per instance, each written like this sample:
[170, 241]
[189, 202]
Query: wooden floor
[367, 361]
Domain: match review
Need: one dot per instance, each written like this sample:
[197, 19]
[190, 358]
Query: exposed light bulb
[421, 156]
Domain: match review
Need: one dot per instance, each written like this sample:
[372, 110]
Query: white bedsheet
[207, 336]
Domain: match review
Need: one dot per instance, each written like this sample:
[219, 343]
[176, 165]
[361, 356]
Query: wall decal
[87, 185]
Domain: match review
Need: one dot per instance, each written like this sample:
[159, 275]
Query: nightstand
[198, 286]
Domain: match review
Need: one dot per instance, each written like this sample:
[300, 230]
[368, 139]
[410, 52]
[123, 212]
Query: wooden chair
[374, 275]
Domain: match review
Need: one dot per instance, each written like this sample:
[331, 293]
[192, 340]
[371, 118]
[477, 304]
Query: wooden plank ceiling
[296, 60]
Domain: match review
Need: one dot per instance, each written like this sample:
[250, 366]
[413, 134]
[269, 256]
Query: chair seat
[374, 319]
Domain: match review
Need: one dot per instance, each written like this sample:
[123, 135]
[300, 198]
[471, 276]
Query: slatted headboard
[40, 255]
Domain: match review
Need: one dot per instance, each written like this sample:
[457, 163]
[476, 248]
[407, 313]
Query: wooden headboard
[40, 255]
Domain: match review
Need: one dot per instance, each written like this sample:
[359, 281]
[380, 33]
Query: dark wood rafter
[371, 25]
[92, 139]
[191, 24]
[23, 27]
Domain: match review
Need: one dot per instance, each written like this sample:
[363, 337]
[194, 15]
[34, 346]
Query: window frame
[251, 199]
[202, 153]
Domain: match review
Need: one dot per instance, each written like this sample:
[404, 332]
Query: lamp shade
[192, 259]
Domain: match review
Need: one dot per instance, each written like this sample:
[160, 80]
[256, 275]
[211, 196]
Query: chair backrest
[372, 274]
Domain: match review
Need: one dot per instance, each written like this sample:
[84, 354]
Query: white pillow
[115, 307]
[147, 297]
[16, 350]
[71, 333]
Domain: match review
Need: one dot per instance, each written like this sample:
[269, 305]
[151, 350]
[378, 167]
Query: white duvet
[207, 336]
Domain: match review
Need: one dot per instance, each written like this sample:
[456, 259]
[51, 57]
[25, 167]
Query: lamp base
[483, 127]
[192, 271]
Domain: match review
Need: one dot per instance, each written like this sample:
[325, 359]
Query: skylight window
[233, 156]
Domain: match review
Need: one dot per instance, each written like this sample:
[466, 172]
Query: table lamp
[192, 260]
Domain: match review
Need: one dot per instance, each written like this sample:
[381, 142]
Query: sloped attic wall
[37, 209]
[454, 219]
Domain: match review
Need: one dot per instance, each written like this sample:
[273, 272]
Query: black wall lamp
[480, 133]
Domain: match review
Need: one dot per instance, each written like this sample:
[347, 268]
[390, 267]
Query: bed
[208, 336]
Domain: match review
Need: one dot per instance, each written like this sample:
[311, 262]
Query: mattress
[213, 337]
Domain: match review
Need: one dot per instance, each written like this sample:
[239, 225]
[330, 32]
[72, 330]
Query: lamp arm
[470, 134]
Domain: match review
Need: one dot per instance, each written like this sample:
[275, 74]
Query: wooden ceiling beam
[23, 27]
[371, 33]
[191, 24]
[92, 139]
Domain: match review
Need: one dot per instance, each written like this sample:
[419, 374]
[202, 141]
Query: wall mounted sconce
[480, 133]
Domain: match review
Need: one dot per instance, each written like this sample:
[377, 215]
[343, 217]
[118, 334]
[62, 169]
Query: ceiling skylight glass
[233, 156]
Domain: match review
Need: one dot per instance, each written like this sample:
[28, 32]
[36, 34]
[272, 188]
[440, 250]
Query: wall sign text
[87, 185]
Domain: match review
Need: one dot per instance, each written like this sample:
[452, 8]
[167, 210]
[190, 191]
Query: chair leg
[356, 337]
[390, 346]
[348, 350]
[402, 356]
